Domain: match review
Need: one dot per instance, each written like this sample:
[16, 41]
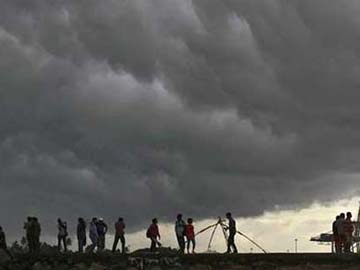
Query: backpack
[148, 234]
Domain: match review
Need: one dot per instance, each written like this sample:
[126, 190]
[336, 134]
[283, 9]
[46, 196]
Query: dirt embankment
[163, 261]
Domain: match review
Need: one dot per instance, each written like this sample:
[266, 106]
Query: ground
[168, 259]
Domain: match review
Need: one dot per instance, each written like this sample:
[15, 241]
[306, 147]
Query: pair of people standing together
[183, 231]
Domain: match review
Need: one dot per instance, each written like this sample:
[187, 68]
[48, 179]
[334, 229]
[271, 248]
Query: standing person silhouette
[37, 232]
[93, 234]
[119, 235]
[62, 234]
[336, 238]
[81, 234]
[190, 235]
[180, 232]
[102, 229]
[348, 233]
[232, 232]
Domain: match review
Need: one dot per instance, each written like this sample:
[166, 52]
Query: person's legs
[122, 239]
[80, 246]
[59, 243]
[182, 244]
[93, 244]
[102, 242]
[179, 241]
[30, 243]
[233, 244]
[347, 243]
[230, 242]
[188, 245]
[64, 242]
[153, 245]
[193, 247]
[116, 240]
[337, 243]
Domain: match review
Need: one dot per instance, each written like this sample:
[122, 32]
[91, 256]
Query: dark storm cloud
[143, 108]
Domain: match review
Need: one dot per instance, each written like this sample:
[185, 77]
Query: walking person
[3, 245]
[102, 229]
[154, 234]
[348, 233]
[81, 234]
[232, 232]
[119, 235]
[62, 234]
[336, 237]
[93, 234]
[180, 232]
[190, 235]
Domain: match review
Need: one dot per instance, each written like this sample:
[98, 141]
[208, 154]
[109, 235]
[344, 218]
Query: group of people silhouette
[98, 229]
[343, 229]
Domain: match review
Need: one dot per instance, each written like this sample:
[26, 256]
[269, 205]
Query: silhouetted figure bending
[119, 235]
[232, 232]
[62, 234]
[102, 229]
[81, 234]
[3, 245]
[153, 233]
[348, 232]
[180, 232]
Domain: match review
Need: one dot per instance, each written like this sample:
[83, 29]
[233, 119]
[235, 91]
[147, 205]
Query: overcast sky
[145, 108]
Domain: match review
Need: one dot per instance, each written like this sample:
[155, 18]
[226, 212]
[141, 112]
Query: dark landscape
[169, 259]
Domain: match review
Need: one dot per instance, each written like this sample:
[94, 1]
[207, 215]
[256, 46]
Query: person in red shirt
[153, 233]
[119, 235]
[190, 235]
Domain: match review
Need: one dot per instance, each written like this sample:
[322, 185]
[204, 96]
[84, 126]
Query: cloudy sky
[145, 108]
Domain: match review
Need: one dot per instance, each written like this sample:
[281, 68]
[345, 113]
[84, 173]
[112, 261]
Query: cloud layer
[146, 108]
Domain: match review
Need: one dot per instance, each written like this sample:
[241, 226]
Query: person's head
[35, 219]
[179, 216]
[190, 220]
[228, 215]
[94, 219]
[155, 221]
[337, 217]
[348, 215]
[59, 220]
[342, 215]
[29, 219]
[101, 220]
[120, 219]
[1, 229]
[80, 220]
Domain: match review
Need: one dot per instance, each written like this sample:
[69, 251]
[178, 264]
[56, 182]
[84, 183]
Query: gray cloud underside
[146, 108]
